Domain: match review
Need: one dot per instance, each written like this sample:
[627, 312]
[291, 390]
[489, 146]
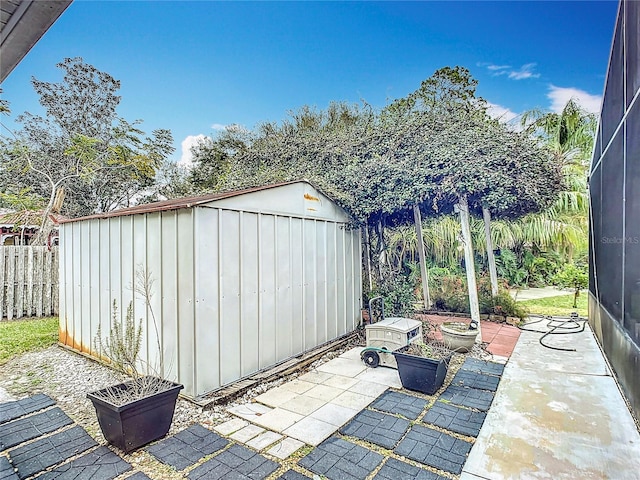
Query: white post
[493, 273]
[424, 274]
[469, 263]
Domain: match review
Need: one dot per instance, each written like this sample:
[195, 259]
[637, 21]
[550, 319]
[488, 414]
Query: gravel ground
[67, 377]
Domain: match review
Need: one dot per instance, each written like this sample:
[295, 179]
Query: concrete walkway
[535, 293]
[312, 407]
[556, 415]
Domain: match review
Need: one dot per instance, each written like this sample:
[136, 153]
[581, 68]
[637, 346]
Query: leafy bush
[451, 295]
[510, 268]
[399, 295]
[541, 267]
[502, 304]
[575, 276]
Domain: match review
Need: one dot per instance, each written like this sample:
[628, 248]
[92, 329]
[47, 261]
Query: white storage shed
[241, 280]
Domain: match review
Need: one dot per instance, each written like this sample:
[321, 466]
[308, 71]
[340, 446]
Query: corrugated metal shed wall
[235, 290]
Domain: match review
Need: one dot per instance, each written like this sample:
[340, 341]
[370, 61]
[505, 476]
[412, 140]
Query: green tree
[575, 277]
[81, 151]
[569, 136]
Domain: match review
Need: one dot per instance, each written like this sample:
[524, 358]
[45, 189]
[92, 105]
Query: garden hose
[558, 326]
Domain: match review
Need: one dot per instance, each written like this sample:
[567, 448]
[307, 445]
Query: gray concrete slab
[5, 396]
[586, 360]
[556, 415]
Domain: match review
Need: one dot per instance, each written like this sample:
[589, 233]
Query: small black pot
[134, 424]
[419, 373]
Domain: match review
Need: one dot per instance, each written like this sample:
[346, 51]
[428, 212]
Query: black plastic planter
[419, 373]
[132, 425]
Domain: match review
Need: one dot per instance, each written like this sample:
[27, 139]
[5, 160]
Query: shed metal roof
[178, 203]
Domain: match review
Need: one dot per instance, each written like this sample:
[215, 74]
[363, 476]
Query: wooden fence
[28, 282]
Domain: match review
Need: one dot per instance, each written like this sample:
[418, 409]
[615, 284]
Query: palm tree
[568, 134]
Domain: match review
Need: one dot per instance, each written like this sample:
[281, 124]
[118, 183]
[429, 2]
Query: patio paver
[377, 428]
[185, 448]
[292, 475]
[278, 419]
[342, 366]
[457, 419]
[100, 464]
[138, 476]
[353, 400]
[400, 403]
[12, 410]
[467, 378]
[340, 381]
[303, 404]
[336, 415]
[49, 451]
[311, 430]
[315, 376]
[370, 389]
[298, 386]
[382, 375]
[468, 397]
[27, 428]
[434, 448]
[6, 470]
[396, 470]
[276, 396]
[482, 366]
[264, 440]
[285, 448]
[249, 411]
[238, 463]
[338, 459]
[231, 426]
[247, 433]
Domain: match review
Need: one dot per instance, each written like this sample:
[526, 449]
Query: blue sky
[193, 67]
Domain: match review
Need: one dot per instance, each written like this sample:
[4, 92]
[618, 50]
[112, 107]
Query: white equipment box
[392, 334]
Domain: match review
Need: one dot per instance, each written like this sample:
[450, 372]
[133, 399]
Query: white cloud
[186, 158]
[525, 71]
[500, 112]
[504, 115]
[498, 67]
[218, 126]
[497, 70]
[559, 97]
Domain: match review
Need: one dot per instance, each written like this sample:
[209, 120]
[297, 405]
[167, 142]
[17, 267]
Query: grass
[21, 336]
[557, 306]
